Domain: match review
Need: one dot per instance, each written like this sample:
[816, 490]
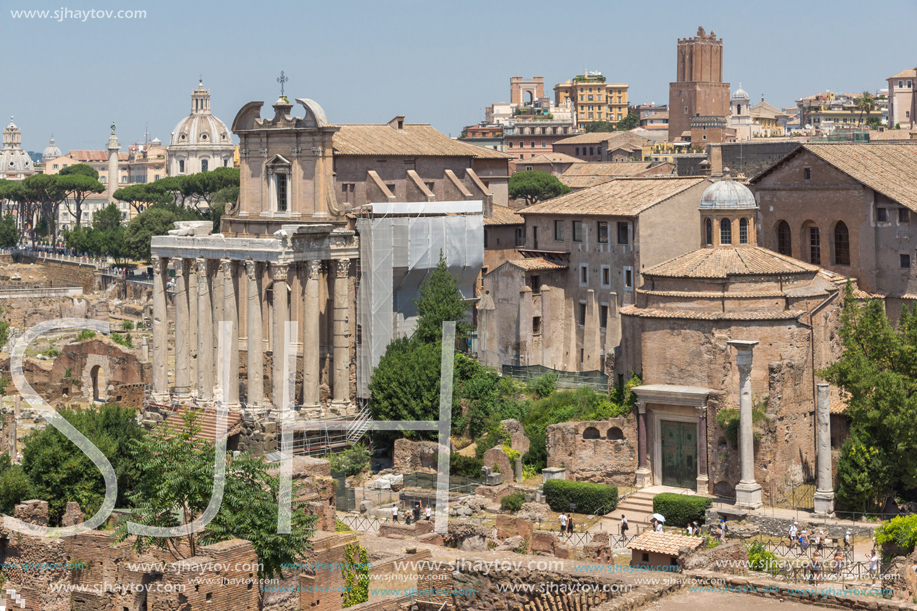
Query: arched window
[814, 246]
[708, 232]
[591, 433]
[784, 237]
[743, 231]
[841, 244]
[614, 433]
[725, 232]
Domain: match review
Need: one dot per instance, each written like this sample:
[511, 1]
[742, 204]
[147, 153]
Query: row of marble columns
[207, 291]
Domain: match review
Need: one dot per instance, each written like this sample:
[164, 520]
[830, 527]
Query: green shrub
[728, 420]
[85, 334]
[759, 559]
[127, 325]
[543, 386]
[679, 509]
[902, 531]
[351, 461]
[123, 340]
[340, 527]
[589, 498]
[512, 502]
[465, 466]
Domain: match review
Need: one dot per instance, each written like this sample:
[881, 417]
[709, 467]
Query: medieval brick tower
[699, 91]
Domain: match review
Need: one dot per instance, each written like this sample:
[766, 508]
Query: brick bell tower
[699, 90]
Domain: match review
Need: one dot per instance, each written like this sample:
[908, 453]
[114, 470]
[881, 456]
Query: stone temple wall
[603, 451]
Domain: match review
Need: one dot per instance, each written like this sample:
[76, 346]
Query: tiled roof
[82, 155]
[725, 262]
[714, 294]
[536, 265]
[504, 216]
[664, 543]
[698, 315]
[207, 422]
[613, 139]
[889, 135]
[838, 407]
[414, 140]
[623, 197]
[550, 158]
[584, 175]
[910, 72]
[886, 168]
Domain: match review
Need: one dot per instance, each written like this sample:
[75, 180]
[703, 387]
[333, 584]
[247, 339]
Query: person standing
[847, 540]
[804, 541]
[427, 513]
[623, 525]
[563, 523]
[395, 512]
[816, 568]
[838, 561]
[873, 565]
[794, 531]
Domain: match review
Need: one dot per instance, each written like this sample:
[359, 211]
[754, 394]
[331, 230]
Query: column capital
[157, 266]
[226, 266]
[279, 271]
[251, 268]
[343, 267]
[313, 268]
[702, 410]
[201, 264]
[641, 406]
[744, 354]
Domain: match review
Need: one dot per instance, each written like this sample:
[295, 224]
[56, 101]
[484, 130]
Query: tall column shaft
[205, 331]
[193, 325]
[311, 349]
[255, 343]
[182, 331]
[824, 488]
[160, 331]
[341, 332]
[703, 486]
[748, 492]
[230, 313]
[216, 315]
[281, 315]
[643, 478]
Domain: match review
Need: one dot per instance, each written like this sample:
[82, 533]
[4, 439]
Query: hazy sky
[438, 62]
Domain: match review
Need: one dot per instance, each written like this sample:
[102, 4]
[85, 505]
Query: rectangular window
[510, 144]
[882, 215]
[905, 261]
[629, 278]
[806, 173]
[544, 144]
[577, 231]
[603, 232]
[181, 165]
[623, 234]
[281, 192]
[486, 237]
[606, 276]
[591, 149]
[582, 314]
[904, 215]
[603, 316]
[577, 150]
[559, 231]
[536, 325]
[535, 284]
[583, 274]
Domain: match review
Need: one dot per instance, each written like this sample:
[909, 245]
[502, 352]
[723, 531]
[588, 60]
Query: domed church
[15, 163]
[200, 142]
[729, 320]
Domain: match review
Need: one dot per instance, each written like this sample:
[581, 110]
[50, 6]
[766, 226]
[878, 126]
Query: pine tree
[440, 300]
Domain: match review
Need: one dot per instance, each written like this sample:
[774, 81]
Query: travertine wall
[602, 452]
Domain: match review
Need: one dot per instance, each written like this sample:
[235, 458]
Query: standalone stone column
[281, 315]
[703, 482]
[824, 488]
[311, 349]
[160, 332]
[182, 331]
[341, 334]
[191, 277]
[643, 473]
[748, 492]
[216, 315]
[205, 332]
[255, 342]
[230, 313]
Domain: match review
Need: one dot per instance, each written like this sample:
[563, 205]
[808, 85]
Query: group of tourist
[566, 524]
[415, 513]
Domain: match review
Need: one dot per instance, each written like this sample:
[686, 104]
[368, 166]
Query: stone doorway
[679, 453]
[97, 374]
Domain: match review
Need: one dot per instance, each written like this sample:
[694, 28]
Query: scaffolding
[327, 435]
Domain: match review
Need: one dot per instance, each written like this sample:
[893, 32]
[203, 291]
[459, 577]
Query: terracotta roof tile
[624, 197]
[207, 422]
[550, 158]
[536, 265]
[413, 141]
[583, 175]
[910, 72]
[613, 138]
[664, 543]
[697, 315]
[725, 262]
[83, 155]
[502, 215]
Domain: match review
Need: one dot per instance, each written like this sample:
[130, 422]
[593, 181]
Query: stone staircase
[638, 507]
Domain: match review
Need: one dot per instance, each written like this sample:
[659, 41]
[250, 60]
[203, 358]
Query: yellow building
[593, 98]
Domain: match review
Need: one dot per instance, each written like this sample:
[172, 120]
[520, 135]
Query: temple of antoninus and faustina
[292, 250]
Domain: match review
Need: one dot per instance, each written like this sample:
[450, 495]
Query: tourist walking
[395, 513]
[427, 512]
[804, 541]
[794, 530]
[570, 525]
[847, 540]
[624, 525]
[563, 523]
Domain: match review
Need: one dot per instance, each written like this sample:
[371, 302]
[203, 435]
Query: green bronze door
[679, 454]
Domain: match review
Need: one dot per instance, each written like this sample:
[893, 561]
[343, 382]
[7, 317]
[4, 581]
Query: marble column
[160, 332]
[748, 491]
[182, 331]
[311, 349]
[216, 315]
[230, 313]
[824, 487]
[281, 314]
[255, 343]
[644, 478]
[193, 325]
[205, 331]
[703, 481]
[341, 333]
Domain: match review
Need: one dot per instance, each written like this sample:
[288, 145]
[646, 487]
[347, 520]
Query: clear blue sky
[434, 61]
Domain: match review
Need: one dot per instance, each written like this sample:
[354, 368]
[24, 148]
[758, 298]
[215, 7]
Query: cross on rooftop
[282, 79]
